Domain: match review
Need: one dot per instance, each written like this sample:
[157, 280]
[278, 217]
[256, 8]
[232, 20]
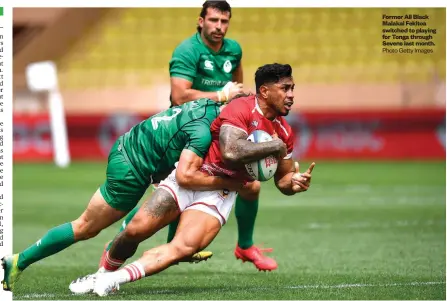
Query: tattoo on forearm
[235, 147]
[160, 203]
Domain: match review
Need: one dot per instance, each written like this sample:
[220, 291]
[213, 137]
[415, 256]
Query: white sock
[130, 272]
[102, 270]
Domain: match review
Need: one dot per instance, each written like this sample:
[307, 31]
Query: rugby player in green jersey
[145, 154]
[206, 65]
[209, 65]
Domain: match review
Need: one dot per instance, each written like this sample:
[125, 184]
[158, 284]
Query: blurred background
[372, 226]
[351, 100]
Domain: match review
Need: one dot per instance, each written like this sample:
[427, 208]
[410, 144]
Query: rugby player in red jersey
[202, 213]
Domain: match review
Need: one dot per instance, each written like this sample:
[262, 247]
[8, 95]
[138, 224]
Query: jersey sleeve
[183, 63]
[238, 49]
[237, 115]
[235, 49]
[199, 137]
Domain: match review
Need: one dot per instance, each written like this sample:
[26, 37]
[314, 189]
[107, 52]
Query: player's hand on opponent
[236, 185]
[229, 91]
[301, 181]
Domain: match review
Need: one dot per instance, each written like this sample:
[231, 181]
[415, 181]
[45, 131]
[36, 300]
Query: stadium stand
[336, 54]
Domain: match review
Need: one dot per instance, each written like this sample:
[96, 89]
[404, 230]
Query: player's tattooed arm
[189, 176]
[237, 150]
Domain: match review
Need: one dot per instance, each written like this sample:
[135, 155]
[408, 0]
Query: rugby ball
[264, 169]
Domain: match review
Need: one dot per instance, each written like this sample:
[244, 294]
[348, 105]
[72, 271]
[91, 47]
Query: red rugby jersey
[244, 114]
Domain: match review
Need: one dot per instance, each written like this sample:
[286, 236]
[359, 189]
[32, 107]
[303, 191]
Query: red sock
[111, 264]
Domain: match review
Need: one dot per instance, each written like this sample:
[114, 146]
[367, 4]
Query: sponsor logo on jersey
[227, 66]
[210, 82]
[209, 65]
[255, 123]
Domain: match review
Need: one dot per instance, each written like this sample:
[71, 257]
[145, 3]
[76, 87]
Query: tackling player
[145, 154]
[209, 65]
[205, 65]
[227, 155]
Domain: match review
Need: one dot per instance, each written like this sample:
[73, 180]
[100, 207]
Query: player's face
[280, 96]
[214, 25]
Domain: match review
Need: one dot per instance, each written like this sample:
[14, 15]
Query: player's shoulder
[246, 103]
[202, 108]
[190, 44]
[208, 104]
[233, 46]
[201, 104]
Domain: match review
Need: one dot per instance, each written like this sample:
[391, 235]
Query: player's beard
[282, 111]
[285, 113]
[280, 108]
[214, 40]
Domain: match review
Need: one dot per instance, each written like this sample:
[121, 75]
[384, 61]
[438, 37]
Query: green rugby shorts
[122, 190]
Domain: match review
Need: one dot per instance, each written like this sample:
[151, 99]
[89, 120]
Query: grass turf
[365, 230]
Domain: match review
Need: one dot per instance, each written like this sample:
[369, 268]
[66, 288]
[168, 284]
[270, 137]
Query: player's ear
[200, 22]
[264, 91]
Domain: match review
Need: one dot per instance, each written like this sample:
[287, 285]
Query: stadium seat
[132, 47]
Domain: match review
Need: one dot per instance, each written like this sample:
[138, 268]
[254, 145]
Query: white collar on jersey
[257, 107]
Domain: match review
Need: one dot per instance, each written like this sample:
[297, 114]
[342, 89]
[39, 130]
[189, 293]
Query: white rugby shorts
[217, 203]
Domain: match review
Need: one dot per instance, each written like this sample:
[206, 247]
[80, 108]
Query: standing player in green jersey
[206, 65]
[145, 154]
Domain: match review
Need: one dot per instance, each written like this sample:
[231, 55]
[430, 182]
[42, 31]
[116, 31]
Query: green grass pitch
[365, 230]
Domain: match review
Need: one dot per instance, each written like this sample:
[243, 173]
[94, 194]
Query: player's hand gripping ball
[264, 169]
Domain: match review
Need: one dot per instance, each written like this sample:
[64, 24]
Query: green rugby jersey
[207, 70]
[154, 145]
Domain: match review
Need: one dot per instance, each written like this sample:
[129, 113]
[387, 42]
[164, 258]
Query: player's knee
[136, 230]
[84, 229]
[251, 191]
[183, 249]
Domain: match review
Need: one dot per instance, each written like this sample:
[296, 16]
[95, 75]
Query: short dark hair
[271, 73]
[220, 5]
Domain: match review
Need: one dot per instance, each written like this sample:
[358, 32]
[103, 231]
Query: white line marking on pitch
[388, 224]
[32, 296]
[365, 285]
